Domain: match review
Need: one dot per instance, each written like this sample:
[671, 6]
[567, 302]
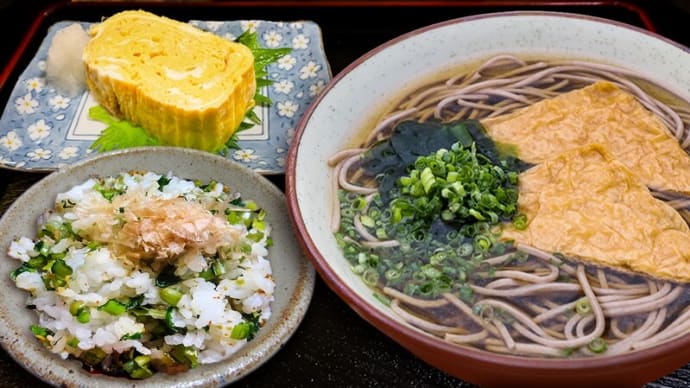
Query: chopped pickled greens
[167, 277]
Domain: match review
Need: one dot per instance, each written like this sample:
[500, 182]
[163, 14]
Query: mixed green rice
[142, 273]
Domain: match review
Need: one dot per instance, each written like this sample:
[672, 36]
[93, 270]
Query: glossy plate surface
[41, 129]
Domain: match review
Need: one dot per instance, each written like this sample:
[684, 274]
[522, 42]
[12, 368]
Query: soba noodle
[533, 306]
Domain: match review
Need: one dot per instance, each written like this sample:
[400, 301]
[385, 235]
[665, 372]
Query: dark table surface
[334, 346]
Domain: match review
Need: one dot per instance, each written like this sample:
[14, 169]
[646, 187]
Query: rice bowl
[119, 332]
[122, 260]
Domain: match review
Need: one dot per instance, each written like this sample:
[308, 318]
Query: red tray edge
[47, 11]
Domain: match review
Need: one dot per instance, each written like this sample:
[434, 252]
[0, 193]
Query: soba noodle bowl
[518, 300]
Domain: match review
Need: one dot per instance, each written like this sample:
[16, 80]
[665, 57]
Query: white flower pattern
[286, 62]
[311, 70]
[39, 130]
[40, 153]
[316, 88]
[250, 25]
[26, 104]
[11, 141]
[272, 39]
[68, 153]
[300, 42]
[59, 102]
[283, 86]
[35, 84]
[36, 124]
[287, 108]
[244, 155]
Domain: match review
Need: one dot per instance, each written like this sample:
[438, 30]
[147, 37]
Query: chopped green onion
[154, 313]
[107, 193]
[40, 332]
[170, 295]
[370, 276]
[428, 179]
[367, 221]
[55, 230]
[93, 357]
[240, 331]
[36, 262]
[185, 355]
[75, 307]
[382, 298]
[52, 282]
[137, 368]
[441, 208]
[61, 269]
[482, 242]
[93, 245]
[42, 248]
[142, 360]
[135, 302]
[141, 373]
[392, 275]
[22, 268]
[597, 345]
[358, 269]
[134, 336]
[582, 306]
[218, 267]
[520, 222]
[207, 275]
[84, 316]
[169, 321]
[113, 307]
[466, 249]
[466, 292]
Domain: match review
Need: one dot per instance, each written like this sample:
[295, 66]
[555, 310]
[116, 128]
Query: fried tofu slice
[586, 204]
[603, 114]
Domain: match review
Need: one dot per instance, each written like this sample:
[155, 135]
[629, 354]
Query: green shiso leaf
[123, 134]
[262, 58]
[119, 133]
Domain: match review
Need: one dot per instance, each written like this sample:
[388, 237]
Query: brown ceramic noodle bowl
[354, 102]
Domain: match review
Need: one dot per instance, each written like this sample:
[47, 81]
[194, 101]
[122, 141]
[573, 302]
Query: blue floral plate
[41, 130]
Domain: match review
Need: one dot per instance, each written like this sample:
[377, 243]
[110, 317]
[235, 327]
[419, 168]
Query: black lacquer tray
[333, 346]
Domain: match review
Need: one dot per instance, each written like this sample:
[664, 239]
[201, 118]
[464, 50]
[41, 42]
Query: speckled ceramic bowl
[293, 274]
[357, 95]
